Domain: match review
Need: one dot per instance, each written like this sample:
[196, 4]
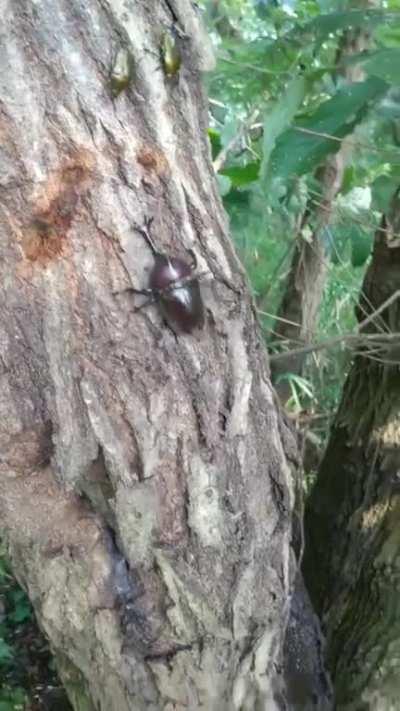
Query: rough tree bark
[352, 517]
[145, 490]
[299, 309]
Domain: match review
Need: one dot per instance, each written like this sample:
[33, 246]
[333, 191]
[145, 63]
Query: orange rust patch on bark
[153, 161]
[55, 208]
[41, 242]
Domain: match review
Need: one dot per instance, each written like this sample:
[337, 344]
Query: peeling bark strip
[144, 490]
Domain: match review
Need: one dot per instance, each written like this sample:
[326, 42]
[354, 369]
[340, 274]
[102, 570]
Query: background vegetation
[280, 104]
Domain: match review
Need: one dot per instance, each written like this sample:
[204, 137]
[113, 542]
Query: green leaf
[384, 63]
[215, 140]
[12, 699]
[7, 705]
[6, 652]
[277, 56]
[242, 175]
[298, 386]
[361, 244]
[237, 199]
[302, 384]
[21, 613]
[297, 151]
[349, 179]
[278, 118]
[22, 607]
[383, 189]
[388, 34]
[3, 570]
[324, 25]
[264, 56]
[340, 244]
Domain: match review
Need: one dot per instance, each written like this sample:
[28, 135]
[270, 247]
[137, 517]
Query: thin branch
[326, 262]
[222, 155]
[318, 133]
[347, 338]
[379, 310]
[219, 104]
[253, 67]
[274, 276]
[279, 318]
[367, 225]
[353, 143]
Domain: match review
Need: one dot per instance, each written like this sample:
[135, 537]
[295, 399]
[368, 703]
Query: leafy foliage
[383, 63]
[300, 149]
[14, 606]
[279, 118]
[26, 664]
[12, 699]
[280, 102]
[282, 63]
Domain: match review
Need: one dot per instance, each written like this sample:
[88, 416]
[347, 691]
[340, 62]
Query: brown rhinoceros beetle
[174, 286]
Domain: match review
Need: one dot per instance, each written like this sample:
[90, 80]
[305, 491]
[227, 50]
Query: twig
[222, 155]
[278, 318]
[348, 337]
[379, 310]
[214, 102]
[274, 276]
[367, 225]
[353, 143]
[253, 67]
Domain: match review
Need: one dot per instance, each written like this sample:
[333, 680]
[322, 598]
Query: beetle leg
[145, 232]
[148, 222]
[149, 301]
[144, 292]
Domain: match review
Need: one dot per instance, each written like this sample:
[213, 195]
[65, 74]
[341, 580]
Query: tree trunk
[352, 518]
[145, 493]
[299, 309]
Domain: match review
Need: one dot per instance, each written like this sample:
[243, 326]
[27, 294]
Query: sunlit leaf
[215, 140]
[279, 117]
[383, 190]
[12, 699]
[22, 608]
[6, 652]
[389, 34]
[361, 244]
[302, 148]
[324, 25]
[384, 63]
[265, 55]
[242, 175]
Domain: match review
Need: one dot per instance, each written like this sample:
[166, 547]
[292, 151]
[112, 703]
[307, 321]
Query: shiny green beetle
[122, 72]
[170, 55]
